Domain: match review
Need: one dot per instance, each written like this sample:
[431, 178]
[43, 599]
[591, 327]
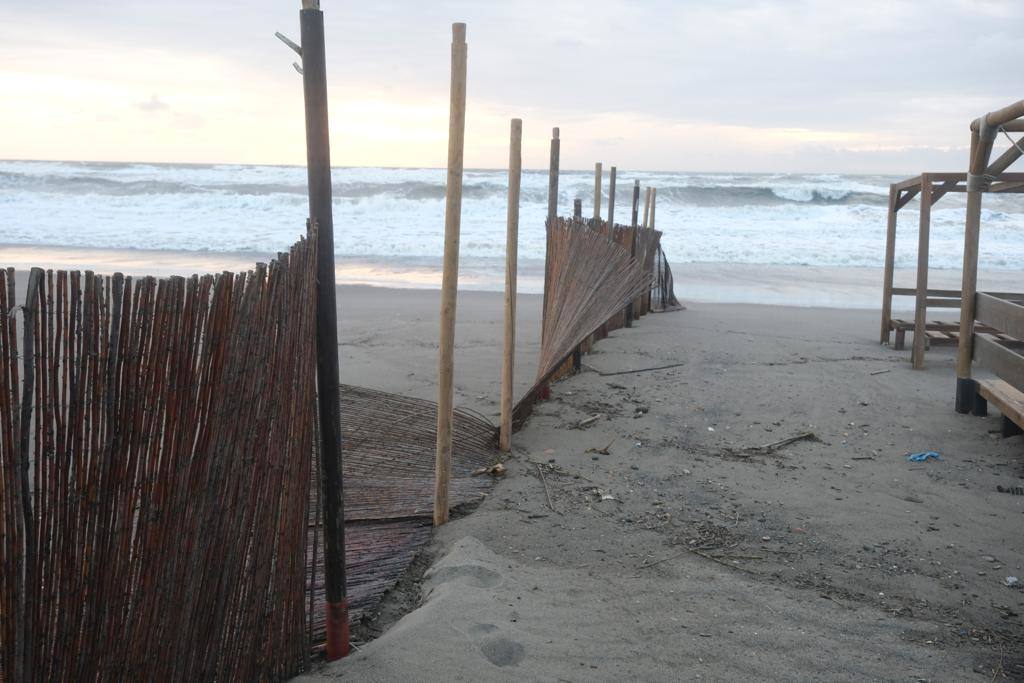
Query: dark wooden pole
[318, 169]
[577, 208]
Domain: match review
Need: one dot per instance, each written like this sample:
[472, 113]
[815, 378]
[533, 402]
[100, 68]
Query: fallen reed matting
[388, 444]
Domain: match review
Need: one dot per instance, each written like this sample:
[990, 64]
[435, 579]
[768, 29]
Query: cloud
[153, 104]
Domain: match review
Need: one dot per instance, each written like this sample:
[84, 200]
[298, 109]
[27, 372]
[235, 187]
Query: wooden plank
[1005, 363]
[942, 303]
[597, 191]
[1009, 400]
[908, 184]
[1000, 314]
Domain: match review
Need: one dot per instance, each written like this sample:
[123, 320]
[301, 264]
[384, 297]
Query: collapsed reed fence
[591, 278]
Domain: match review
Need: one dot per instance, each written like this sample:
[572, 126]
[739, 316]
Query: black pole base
[966, 390]
[1010, 428]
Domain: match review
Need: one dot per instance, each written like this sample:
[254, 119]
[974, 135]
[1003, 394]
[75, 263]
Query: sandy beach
[671, 550]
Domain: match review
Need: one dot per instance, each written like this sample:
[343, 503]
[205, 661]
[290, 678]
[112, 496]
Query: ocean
[390, 221]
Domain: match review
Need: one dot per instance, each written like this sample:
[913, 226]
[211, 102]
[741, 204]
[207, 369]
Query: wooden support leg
[979, 407]
[1010, 428]
[901, 338]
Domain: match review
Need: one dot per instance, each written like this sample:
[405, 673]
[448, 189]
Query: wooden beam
[890, 261]
[908, 184]
[942, 303]
[938, 192]
[450, 276]
[515, 172]
[597, 191]
[1005, 316]
[654, 204]
[1008, 365]
[907, 196]
[647, 206]
[1000, 117]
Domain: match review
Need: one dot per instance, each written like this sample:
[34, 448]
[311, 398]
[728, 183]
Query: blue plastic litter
[922, 456]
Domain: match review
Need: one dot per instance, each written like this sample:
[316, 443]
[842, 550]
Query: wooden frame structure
[1006, 391]
[931, 187]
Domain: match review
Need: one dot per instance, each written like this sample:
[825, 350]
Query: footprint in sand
[498, 650]
[470, 574]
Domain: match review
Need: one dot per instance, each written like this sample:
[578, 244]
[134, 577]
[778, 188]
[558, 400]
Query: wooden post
[553, 175]
[611, 203]
[552, 215]
[890, 264]
[921, 295]
[636, 204]
[597, 191]
[632, 243]
[981, 146]
[515, 169]
[450, 277]
[577, 208]
[654, 204]
[647, 206]
[318, 170]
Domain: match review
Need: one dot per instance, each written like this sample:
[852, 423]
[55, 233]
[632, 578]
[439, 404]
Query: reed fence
[155, 470]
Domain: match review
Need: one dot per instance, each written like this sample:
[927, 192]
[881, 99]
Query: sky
[731, 85]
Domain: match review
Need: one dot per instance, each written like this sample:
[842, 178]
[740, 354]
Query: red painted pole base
[337, 630]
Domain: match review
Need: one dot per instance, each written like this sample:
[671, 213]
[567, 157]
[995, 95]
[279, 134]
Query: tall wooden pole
[318, 170]
[632, 242]
[647, 206]
[552, 215]
[515, 170]
[921, 298]
[553, 175]
[636, 204]
[577, 208]
[981, 146]
[597, 191]
[890, 264]
[654, 204]
[611, 203]
[450, 277]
